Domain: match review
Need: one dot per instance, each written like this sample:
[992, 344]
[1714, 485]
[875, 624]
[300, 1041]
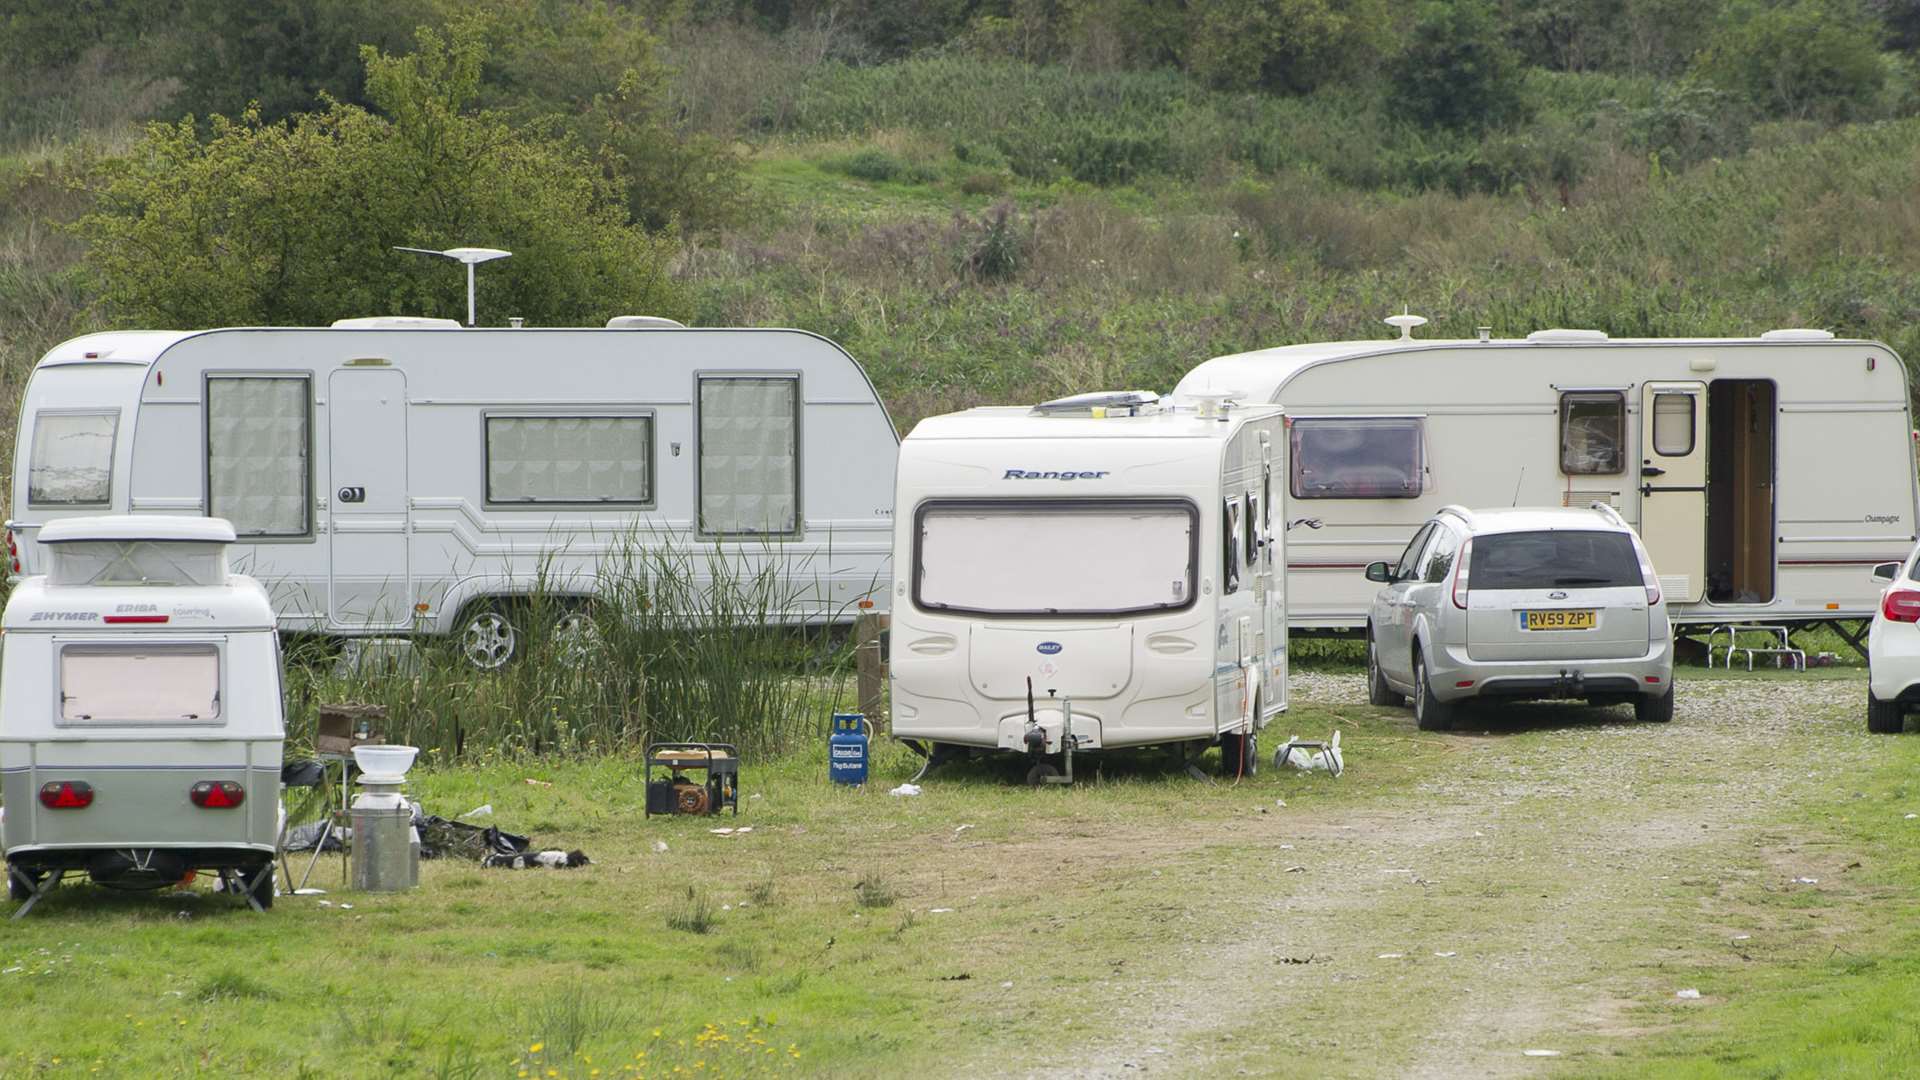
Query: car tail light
[1460, 575]
[66, 795]
[217, 794]
[1647, 577]
[1901, 605]
[13, 551]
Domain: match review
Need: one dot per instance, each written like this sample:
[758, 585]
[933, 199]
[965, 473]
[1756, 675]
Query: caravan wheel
[488, 639]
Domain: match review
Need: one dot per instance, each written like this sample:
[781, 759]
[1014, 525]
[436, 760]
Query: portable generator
[670, 790]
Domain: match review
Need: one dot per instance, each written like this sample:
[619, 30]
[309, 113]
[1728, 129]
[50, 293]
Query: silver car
[1520, 604]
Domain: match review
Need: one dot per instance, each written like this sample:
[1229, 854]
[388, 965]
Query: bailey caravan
[1767, 475]
[1107, 558]
[396, 475]
[140, 712]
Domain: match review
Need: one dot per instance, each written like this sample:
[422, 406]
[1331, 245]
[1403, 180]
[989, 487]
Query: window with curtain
[259, 460]
[750, 455]
[72, 459]
[1357, 458]
[570, 459]
[1673, 424]
[1593, 432]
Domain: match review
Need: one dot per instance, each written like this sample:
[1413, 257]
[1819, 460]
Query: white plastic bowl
[385, 760]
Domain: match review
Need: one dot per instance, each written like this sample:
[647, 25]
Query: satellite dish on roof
[471, 256]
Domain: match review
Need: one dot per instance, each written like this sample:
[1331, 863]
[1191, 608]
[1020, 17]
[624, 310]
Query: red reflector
[217, 794]
[66, 795]
[1463, 684]
[1653, 678]
[122, 619]
[1901, 605]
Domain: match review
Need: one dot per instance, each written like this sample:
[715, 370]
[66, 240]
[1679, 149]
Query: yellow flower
[536, 1048]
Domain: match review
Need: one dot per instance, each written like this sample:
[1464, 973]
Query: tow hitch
[1042, 771]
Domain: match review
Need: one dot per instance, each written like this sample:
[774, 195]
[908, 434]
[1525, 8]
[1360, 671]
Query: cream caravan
[1106, 551]
[1767, 475]
[395, 475]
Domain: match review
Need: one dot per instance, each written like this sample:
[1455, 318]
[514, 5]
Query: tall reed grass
[667, 642]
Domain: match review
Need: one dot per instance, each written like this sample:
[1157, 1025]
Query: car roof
[1532, 519]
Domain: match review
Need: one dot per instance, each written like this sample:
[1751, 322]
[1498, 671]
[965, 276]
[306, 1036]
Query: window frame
[1620, 398]
[1693, 422]
[1194, 570]
[1419, 423]
[309, 376]
[1232, 518]
[113, 457]
[1409, 559]
[649, 415]
[1442, 534]
[132, 644]
[799, 453]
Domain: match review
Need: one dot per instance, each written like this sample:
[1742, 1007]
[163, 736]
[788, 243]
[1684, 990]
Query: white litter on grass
[1396, 870]
[721, 832]
[1296, 869]
[1910, 817]
[1689, 994]
[346, 907]
[1446, 955]
[906, 789]
[12, 971]
[1328, 760]
[660, 846]
[485, 810]
[744, 829]
[326, 903]
[309, 892]
[1742, 937]
[1281, 803]
[958, 829]
[755, 795]
[1541, 1053]
[1006, 986]
[1806, 881]
[1286, 847]
[1391, 956]
[941, 911]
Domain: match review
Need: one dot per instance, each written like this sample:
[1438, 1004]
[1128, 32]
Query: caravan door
[1673, 486]
[370, 574]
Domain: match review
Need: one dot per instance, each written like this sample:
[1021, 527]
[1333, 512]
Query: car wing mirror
[1380, 571]
[1886, 571]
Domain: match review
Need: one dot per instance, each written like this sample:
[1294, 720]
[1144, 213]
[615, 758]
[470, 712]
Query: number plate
[1559, 620]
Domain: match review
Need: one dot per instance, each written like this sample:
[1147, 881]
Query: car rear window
[1561, 559]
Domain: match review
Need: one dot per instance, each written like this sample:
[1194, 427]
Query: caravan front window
[1056, 557]
[135, 685]
[1374, 457]
[72, 459]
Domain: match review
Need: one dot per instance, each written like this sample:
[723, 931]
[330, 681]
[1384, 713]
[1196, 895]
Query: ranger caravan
[393, 475]
[140, 723]
[1108, 550]
[1766, 475]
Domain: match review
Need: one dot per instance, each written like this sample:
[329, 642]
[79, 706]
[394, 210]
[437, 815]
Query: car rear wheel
[1654, 710]
[1429, 712]
[1884, 717]
[1378, 692]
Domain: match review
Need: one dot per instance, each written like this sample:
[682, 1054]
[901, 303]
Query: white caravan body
[1766, 475]
[391, 476]
[1131, 563]
[136, 668]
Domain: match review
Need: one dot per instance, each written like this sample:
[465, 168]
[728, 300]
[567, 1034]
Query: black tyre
[1037, 776]
[1239, 754]
[1378, 692]
[1654, 710]
[1884, 717]
[261, 889]
[1429, 712]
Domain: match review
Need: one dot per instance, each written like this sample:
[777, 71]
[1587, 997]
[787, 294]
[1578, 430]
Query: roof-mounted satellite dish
[1406, 323]
[471, 256]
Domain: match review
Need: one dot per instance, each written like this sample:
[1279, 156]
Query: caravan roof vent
[1562, 336]
[643, 322]
[396, 322]
[1100, 403]
[1797, 334]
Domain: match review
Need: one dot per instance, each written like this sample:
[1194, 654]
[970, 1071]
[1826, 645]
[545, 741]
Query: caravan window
[570, 459]
[72, 462]
[1230, 549]
[135, 685]
[1593, 432]
[1056, 557]
[1673, 424]
[1357, 458]
[259, 454]
[749, 455]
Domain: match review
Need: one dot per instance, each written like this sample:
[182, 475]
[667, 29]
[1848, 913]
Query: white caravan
[1767, 475]
[140, 725]
[394, 475]
[1106, 549]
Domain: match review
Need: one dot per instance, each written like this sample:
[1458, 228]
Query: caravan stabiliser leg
[38, 890]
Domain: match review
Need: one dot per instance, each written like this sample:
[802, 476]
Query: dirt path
[1523, 899]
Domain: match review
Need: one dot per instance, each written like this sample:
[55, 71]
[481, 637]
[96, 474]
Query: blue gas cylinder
[847, 749]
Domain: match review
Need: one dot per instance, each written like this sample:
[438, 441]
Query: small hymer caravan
[1109, 558]
[394, 475]
[1766, 475]
[140, 723]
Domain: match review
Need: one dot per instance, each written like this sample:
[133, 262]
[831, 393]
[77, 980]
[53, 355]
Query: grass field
[1550, 883]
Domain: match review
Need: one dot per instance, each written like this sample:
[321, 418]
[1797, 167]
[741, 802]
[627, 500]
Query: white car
[1893, 648]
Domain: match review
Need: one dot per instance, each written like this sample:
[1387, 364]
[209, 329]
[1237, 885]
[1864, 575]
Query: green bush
[1815, 58]
[1457, 71]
